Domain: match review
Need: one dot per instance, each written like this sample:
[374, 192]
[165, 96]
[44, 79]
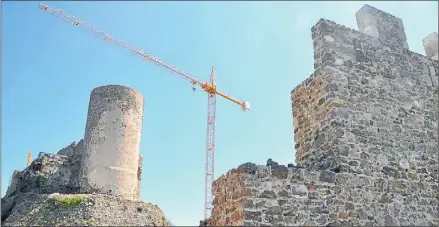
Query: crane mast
[210, 149]
[210, 88]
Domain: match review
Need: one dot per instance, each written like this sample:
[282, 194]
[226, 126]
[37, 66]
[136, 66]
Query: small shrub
[69, 202]
[44, 160]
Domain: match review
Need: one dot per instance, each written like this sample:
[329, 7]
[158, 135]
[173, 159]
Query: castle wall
[281, 196]
[366, 133]
[112, 142]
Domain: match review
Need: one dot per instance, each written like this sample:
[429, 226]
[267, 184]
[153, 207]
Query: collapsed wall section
[49, 173]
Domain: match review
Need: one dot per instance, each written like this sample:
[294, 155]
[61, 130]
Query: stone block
[431, 45]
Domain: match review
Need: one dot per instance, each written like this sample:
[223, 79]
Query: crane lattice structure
[210, 88]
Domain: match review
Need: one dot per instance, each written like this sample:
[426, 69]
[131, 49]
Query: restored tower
[112, 141]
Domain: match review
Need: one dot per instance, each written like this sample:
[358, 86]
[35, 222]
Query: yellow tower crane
[209, 87]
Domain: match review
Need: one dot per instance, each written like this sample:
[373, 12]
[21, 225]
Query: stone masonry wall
[228, 203]
[367, 96]
[366, 135]
[312, 103]
[279, 196]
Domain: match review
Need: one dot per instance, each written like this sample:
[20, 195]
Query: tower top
[381, 25]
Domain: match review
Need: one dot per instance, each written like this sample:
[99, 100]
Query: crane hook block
[245, 106]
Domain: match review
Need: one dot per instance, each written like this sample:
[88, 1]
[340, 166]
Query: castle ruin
[365, 130]
[104, 168]
[366, 135]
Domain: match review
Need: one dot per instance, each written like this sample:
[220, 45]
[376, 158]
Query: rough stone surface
[49, 173]
[89, 210]
[228, 202]
[112, 141]
[366, 134]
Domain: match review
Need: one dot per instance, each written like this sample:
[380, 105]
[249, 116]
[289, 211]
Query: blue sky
[261, 50]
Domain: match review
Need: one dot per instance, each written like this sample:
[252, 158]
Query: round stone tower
[112, 141]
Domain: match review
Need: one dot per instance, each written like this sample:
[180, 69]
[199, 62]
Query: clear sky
[261, 50]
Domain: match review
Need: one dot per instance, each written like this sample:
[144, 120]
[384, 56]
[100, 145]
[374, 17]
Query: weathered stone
[260, 204]
[300, 190]
[270, 162]
[248, 203]
[320, 139]
[248, 167]
[268, 194]
[274, 210]
[390, 221]
[386, 199]
[253, 216]
[389, 171]
[327, 176]
[344, 150]
[279, 171]
[404, 164]
[284, 194]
